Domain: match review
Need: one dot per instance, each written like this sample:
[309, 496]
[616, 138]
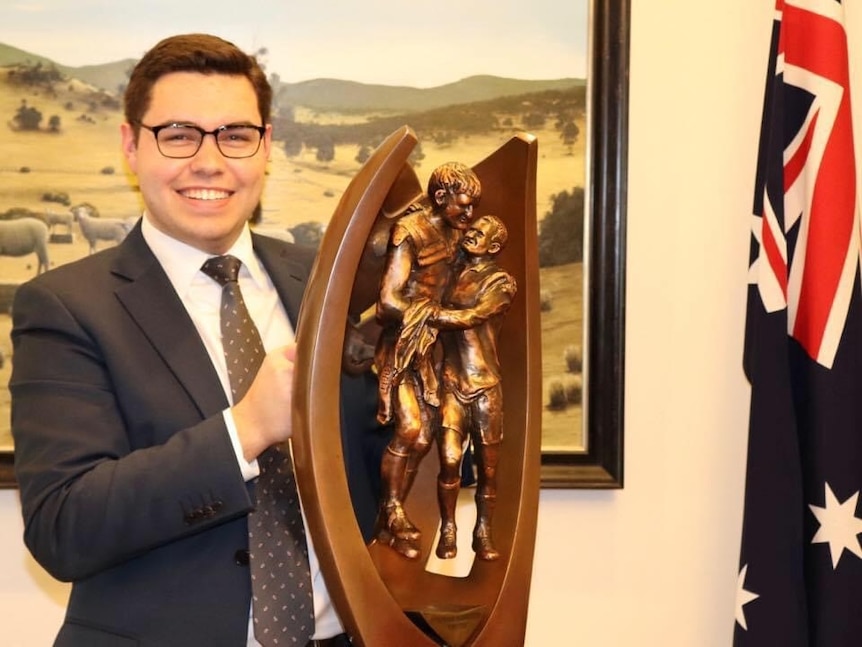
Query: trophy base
[450, 625]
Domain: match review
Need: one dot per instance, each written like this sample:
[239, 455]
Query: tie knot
[223, 269]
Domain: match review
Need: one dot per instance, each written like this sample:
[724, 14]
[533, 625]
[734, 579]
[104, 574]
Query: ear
[440, 197]
[494, 248]
[267, 142]
[129, 145]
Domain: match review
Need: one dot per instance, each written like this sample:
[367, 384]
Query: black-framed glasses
[179, 141]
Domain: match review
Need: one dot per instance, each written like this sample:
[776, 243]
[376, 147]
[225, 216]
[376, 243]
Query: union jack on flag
[800, 570]
[806, 217]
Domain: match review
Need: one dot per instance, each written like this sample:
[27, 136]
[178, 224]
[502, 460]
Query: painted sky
[395, 42]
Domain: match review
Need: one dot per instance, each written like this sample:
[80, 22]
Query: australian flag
[800, 569]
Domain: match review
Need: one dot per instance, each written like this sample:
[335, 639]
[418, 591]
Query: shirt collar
[182, 262]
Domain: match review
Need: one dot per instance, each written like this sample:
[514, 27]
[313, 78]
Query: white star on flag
[743, 597]
[839, 525]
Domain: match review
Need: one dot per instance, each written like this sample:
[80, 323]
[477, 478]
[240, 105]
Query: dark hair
[201, 53]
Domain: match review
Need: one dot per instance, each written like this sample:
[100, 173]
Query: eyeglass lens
[180, 140]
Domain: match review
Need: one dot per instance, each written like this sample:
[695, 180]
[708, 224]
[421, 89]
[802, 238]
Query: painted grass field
[84, 161]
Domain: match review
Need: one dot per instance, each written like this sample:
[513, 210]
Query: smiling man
[136, 450]
[199, 189]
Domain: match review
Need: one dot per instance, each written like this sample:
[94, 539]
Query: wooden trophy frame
[382, 597]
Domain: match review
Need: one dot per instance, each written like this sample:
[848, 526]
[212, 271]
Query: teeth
[206, 194]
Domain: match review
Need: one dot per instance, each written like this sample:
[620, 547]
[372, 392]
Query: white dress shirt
[201, 296]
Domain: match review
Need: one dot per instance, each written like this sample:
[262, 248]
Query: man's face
[457, 209]
[204, 200]
[477, 239]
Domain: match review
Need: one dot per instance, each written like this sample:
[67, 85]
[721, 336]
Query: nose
[208, 156]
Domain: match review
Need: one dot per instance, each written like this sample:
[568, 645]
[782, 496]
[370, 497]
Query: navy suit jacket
[129, 485]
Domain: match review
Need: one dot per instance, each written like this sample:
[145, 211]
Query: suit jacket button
[241, 557]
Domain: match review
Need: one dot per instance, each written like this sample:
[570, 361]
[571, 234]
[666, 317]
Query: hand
[433, 315]
[358, 353]
[263, 415]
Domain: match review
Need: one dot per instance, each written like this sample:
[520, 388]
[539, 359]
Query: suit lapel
[151, 301]
[288, 267]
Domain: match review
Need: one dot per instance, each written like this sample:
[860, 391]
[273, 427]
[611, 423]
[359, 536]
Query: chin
[211, 233]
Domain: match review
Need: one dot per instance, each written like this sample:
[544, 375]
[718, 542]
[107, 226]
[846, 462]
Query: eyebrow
[185, 122]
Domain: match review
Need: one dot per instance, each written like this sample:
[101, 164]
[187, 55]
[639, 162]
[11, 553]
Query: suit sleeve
[100, 483]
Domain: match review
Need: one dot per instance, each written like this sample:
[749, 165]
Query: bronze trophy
[442, 283]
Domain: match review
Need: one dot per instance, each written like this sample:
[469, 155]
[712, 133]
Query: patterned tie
[281, 582]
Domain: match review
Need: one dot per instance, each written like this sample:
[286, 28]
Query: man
[422, 246]
[136, 468]
[472, 401]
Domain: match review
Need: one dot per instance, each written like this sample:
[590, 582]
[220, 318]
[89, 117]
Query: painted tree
[569, 134]
[561, 231]
[27, 117]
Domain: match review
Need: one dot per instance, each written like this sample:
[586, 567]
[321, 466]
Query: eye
[238, 135]
[178, 134]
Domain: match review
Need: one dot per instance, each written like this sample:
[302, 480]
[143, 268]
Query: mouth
[205, 194]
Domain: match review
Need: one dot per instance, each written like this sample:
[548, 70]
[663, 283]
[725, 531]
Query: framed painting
[562, 75]
[598, 462]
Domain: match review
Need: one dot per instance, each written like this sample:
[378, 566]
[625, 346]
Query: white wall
[656, 562]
